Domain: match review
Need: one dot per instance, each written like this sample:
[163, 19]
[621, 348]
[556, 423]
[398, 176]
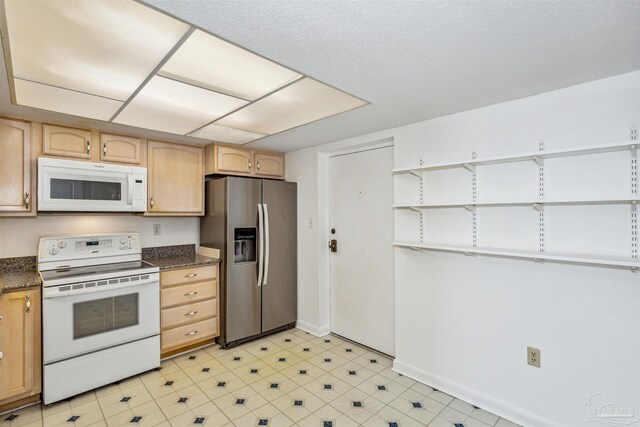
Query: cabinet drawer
[188, 294]
[189, 313]
[187, 275]
[185, 335]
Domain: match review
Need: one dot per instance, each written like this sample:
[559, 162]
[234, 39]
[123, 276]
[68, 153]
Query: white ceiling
[413, 60]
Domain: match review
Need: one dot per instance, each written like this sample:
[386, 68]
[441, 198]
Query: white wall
[19, 236]
[463, 323]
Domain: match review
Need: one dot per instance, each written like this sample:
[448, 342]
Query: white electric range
[100, 312]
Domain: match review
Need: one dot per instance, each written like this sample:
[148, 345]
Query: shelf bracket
[470, 208]
[470, 167]
[539, 207]
[414, 248]
[415, 209]
[470, 254]
[539, 260]
[539, 160]
[416, 173]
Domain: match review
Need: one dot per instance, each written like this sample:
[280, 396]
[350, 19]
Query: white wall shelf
[539, 203]
[623, 262]
[532, 203]
[537, 156]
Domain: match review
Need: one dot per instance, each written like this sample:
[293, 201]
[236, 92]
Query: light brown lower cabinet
[20, 347]
[189, 308]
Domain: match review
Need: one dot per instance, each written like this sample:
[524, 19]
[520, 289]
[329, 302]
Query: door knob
[333, 245]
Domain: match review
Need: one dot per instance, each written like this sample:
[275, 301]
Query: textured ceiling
[415, 60]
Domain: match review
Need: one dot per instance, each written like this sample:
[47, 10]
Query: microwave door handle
[130, 181]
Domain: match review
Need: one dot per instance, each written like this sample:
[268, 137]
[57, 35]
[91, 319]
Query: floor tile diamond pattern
[288, 379]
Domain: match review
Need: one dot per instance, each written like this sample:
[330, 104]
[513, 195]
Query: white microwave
[73, 185]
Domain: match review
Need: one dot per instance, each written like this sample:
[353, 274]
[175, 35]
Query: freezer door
[242, 293]
[279, 289]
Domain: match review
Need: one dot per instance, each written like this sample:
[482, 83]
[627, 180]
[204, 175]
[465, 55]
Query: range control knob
[123, 240]
[53, 251]
[62, 244]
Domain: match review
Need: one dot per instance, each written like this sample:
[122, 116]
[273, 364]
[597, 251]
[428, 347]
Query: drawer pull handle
[190, 275]
[191, 333]
[190, 294]
[193, 313]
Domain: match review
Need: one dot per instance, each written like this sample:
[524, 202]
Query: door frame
[324, 261]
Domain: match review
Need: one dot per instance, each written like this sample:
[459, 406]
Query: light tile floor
[288, 379]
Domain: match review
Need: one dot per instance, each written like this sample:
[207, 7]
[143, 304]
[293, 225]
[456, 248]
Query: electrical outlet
[156, 230]
[533, 356]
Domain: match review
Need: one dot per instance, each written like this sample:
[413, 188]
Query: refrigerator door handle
[267, 245]
[260, 243]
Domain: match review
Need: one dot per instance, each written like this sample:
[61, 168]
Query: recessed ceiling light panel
[226, 134]
[170, 106]
[100, 47]
[214, 63]
[302, 102]
[65, 101]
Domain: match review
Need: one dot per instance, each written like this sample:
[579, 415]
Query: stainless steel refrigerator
[253, 223]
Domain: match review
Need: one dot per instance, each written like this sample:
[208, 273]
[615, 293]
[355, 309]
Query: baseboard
[313, 329]
[498, 407]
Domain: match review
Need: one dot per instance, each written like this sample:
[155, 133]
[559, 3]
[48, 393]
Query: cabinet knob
[28, 303]
[190, 294]
[151, 202]
[192, 313]
[257, 164]
[249, 164]
[190, 275]
[27, 201]
[88, 147]
[191, 333]
[104, 149]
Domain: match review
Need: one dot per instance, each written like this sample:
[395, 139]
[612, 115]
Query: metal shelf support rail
[540, 207]
[634, 193]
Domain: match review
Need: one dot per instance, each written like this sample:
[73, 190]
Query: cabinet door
[233, 160]
[120, 149]
[176, 179]
[15, 167]
[269, 165]
[66, 142]
[19, 344]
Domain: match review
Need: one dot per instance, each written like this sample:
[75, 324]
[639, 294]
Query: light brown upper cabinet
[66, 142]
[121, 149]
[228, 160]
[269, 165]
[20, 364]
[17, 173]
[175, 179]
[232, 160]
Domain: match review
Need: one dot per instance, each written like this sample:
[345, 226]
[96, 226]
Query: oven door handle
[54, 291]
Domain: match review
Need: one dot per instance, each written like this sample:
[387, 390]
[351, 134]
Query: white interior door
[362, 290]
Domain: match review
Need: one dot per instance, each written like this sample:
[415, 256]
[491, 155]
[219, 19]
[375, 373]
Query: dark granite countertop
[18, 273]
[179, 256]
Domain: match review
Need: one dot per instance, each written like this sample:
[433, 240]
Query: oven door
[66, 185]
[80, 323]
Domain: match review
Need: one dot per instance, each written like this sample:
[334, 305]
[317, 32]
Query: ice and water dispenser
[244, 245]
